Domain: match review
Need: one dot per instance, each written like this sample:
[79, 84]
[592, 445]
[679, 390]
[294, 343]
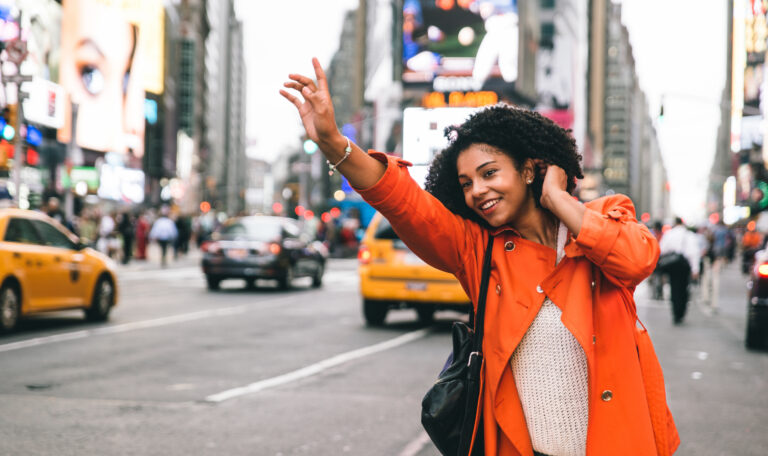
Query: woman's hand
[555, 183]
[557, 200]
[316, 111]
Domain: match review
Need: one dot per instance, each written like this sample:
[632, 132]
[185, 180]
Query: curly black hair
[519, 133]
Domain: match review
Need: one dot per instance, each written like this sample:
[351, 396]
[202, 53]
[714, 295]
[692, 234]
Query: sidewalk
[192, 258]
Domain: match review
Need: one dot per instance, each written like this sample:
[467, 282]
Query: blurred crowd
[125, 235]
[695, 256]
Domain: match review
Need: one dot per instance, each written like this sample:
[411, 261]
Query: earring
[529, 181]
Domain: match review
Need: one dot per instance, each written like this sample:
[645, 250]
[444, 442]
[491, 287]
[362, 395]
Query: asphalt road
[180, 370]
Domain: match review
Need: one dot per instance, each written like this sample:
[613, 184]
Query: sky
[281, 37]
[680, 53]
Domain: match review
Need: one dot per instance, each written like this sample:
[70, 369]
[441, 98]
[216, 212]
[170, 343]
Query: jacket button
[593, 284]
[498, 289]
[509, 246]
[539, 289]
[607, 395]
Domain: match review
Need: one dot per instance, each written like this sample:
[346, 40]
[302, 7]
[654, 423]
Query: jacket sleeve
[625, 250]
[435, 234]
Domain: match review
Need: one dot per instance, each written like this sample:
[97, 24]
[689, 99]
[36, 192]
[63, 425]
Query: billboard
[42, 32]
[461, 44]
[423, 136]
[101, 69]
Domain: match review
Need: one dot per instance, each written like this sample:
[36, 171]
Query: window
[52, 236]
[20, 230]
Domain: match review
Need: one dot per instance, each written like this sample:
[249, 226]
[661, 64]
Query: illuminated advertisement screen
[423, 135]
[460, 44]
[101, 70]
[42, 31]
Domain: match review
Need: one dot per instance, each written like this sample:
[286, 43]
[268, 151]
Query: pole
[304, 183]
[69, 197]
[18, 155]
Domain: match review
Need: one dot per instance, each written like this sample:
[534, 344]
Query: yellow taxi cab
[392, 276]
[43, 267]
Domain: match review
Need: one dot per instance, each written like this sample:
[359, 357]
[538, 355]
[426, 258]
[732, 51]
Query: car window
[20, 230]
[291, 230]
[257, 229]
[52, 236]
[384, 231]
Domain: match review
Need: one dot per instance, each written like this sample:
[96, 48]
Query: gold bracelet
[347, 151]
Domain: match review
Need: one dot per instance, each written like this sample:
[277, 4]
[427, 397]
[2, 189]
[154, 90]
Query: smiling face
[493, 186]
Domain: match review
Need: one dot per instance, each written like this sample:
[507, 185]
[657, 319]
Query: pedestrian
[107, 243]
[751, 242]
[164, 232]
[554, 359]
[680, 251]
[657, 278]
[184, 228]
[127, 230]
[142, 236]
[722, 240]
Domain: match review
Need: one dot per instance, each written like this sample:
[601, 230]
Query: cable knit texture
[550, 371]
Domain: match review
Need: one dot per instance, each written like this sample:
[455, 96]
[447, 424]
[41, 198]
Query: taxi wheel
[212, 282]
[9, 307]
[426, 315]
[317, 279]
[285, 281]
[375, 312]
[103, 300]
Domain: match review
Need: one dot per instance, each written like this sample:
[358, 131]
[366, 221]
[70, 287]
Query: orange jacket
[522, 274]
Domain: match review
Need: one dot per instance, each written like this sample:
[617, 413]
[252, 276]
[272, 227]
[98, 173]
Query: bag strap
[479, 322]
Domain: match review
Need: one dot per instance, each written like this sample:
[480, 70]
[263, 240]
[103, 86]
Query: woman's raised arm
[319, 121]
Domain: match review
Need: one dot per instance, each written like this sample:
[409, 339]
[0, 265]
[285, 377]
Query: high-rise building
[236, 170]
[190, 89]
[224, 108]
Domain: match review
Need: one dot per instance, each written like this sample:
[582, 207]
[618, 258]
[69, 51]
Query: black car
[263, 247]
[757, 312]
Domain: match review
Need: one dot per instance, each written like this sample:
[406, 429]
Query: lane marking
[415, 447]
[314, 369]
[121, 328]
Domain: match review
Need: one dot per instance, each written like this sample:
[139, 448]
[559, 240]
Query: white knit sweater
[550, 371]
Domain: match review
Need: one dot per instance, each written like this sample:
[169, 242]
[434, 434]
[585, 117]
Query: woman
[561, 373]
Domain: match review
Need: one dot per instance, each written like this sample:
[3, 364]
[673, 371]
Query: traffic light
[8, 131]
[310, 147]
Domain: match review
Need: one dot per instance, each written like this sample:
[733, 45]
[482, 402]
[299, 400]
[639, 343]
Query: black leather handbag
[449, 408]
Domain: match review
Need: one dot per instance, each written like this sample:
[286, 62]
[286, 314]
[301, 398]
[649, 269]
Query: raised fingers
[296, 102]
[322, 81]
[304, 81]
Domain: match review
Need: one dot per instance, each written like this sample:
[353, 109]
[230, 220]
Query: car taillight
[274, 248]
[211, 247]
[762, 270]
[364, 254]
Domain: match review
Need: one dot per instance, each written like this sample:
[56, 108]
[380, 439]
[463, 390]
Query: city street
[179, 370]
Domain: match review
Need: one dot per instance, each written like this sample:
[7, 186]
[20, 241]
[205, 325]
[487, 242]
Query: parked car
[263, 247]
[45, 268]
[757, 311]
[392, 276]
